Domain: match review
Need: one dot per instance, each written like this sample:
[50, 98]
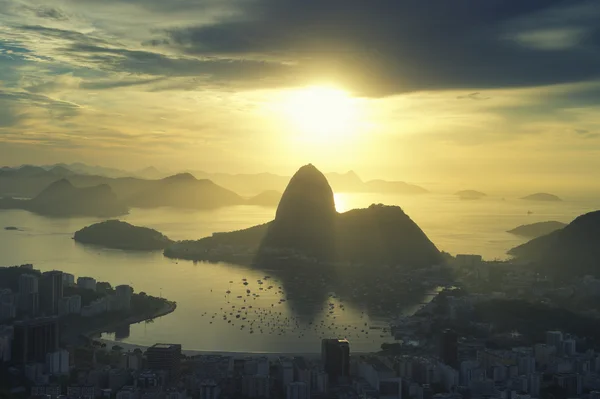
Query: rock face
[61, 198]
[122, 235]
[535, 230]
[184, 191]
[542, 197]
[306, 216]
[572, 251]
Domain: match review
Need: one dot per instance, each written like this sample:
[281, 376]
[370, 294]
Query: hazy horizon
[507, 93]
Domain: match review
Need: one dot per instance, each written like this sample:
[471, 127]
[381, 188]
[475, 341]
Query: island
[542, 197]
[539, 229]
[122, 235]
[470, 194]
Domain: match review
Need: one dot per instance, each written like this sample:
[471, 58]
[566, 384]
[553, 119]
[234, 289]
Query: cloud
[473, 96]
[394, 46]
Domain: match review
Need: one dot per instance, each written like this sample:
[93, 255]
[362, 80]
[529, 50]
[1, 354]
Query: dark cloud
[391, 46]
[151, 63]
[64, 34]
[473, 96]
[51, 13]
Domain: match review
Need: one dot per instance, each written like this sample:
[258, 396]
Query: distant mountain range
[307, 223]
[244, 184]
[571, 251]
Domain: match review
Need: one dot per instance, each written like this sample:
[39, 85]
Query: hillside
[183, 191]
[571, 251]
[536, 229]
[62, 199]
[542, 197]
[121, 235]
[267, 198]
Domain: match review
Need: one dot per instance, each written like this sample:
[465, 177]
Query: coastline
[169, 307]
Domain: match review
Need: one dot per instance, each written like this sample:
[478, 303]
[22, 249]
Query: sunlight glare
[321, 114]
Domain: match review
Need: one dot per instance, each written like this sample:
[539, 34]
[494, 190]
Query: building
[209, 389]
[256, 386]
[571, 382]
[286, 371]
[51, 291]
[448, 348]
[8, 311]
[128, 392]
[166, 357]
[87, 283]
[117, 379]
[57, 363]
[554, 338]
[68, 280]
[302, 372]
[124, 294]
[34, 338]
[297, 390]
[335, 355]
[29, 294]
[6, 337]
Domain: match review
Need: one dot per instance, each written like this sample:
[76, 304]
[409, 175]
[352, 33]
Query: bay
[200, 288]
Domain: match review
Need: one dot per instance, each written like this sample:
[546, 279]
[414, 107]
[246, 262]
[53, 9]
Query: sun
[321, 113]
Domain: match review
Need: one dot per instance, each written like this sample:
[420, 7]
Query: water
[453, 225]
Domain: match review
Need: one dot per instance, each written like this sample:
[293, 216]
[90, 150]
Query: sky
[472, 92]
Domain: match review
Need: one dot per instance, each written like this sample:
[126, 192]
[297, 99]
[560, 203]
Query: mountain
[306, 216]
[121, 235]
[470, 194]
[307, 224]
[571, 251]
[392, 187]
[63, 199]
[268, 198]
[383, 234]
[541, 197]
[537, 229]
[150, 173]
[345, 182]
[183, 191]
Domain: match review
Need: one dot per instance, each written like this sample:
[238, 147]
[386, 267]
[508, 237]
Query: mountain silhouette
[306, 216]
[307, 224]
[572, 251]
[266, 198]
[61, 198]
[183, 191]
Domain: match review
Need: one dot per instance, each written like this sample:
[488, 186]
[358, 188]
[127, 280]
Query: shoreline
[169, 307]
